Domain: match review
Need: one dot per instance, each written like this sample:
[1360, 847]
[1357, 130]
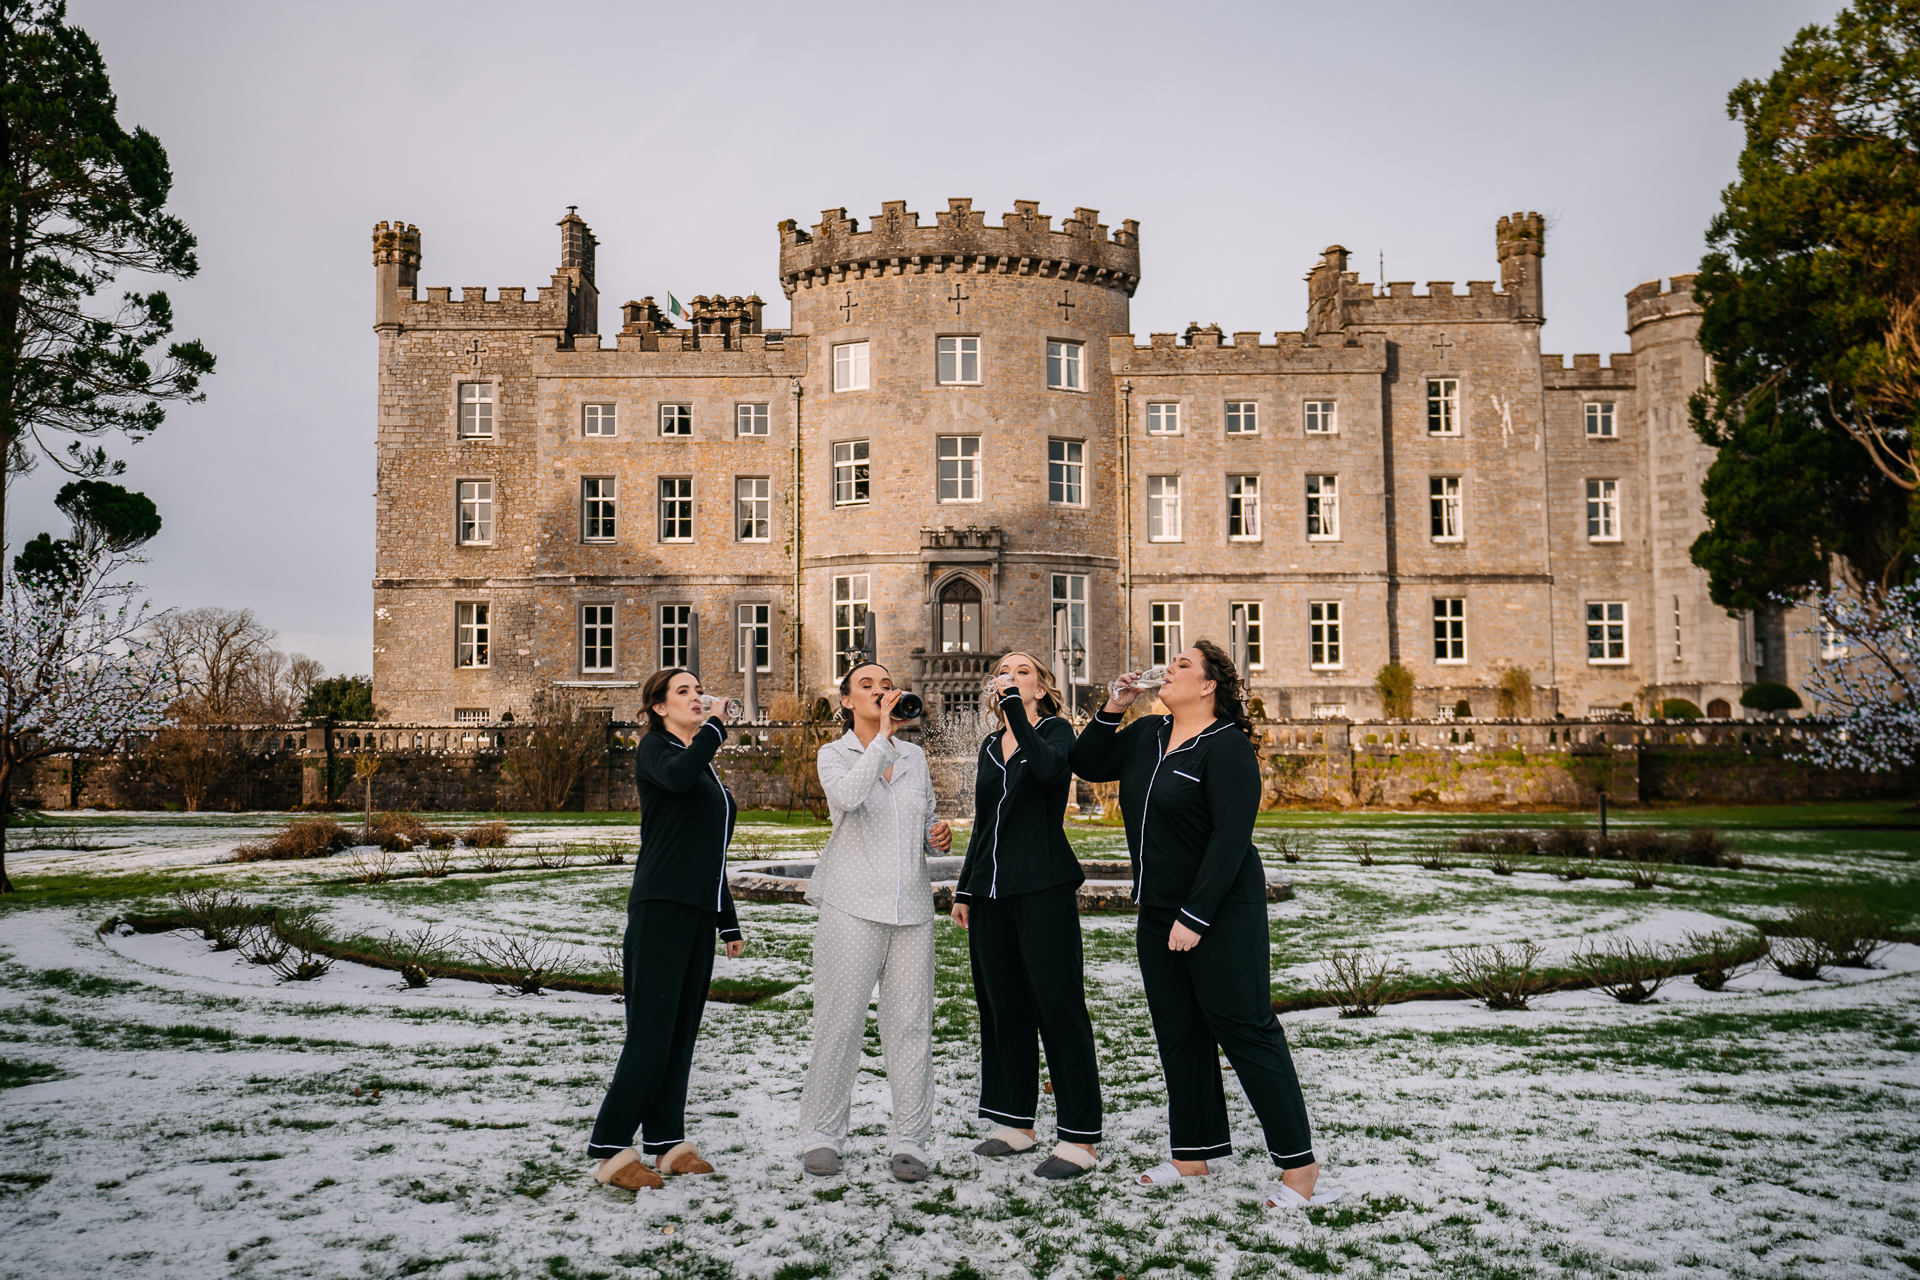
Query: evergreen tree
[342, 698]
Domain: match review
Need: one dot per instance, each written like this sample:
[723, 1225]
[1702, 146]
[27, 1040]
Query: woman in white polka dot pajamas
[876, 926]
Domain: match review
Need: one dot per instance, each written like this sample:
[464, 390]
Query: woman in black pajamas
[1018, 899]
[1190, 790]
[679, 901]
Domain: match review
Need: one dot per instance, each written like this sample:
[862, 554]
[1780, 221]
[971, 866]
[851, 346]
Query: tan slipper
[682, 1159]
[627, 1172]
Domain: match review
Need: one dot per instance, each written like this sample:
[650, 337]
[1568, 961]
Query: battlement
[396, 242]
[719, 323]
[1648, 302]
[1520, 234]
[1025, 243]
[1586, 371]
[1204, 348]
[569, 306]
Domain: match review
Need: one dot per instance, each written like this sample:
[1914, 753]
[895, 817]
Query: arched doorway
[1719, 709]
[959, 617]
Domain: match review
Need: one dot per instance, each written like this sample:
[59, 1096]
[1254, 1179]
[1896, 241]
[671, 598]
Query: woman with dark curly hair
[1190, 791]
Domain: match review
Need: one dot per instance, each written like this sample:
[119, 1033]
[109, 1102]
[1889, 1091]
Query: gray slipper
[1067, 1161]
[993, 1147]
[1004, 1142]
[908, 1168]
[821, 1162]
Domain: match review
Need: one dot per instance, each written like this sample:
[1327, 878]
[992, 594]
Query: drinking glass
[1145, 681]
[712, 704]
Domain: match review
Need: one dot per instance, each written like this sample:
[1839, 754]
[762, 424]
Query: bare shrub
[1794, 957]
[314, 837]
[1435, 860]
[218, 916]
[1724, 956]
[1357, 982]
[1362, 849]
[373, 865]
[491, 860]
[397, 832]
[1499, 975]
[1567, 842]
[1647, 862]
[420, 955]
[433, 862]
[517, 965]
[1290, 847]
[611, 852]
[550, 859]
[1847, 934]
[487, 835]
[259, 942]
[305, 957]
[1631, 972]
[551, 750]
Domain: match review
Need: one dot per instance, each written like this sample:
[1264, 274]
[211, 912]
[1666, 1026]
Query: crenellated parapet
[1025, 243]
[1649, 302]
[1206, 349]
[1586, 373]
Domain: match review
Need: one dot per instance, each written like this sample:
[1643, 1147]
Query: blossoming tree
[1865, 677]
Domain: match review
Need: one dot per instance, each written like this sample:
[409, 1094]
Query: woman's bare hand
[960, 914]
[940, 836]
[1182, 938]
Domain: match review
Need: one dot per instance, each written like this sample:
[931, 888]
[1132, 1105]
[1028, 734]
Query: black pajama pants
[667, 957]
[1029, 981]
[1218, 997]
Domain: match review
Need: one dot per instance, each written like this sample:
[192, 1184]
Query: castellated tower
[958, 432]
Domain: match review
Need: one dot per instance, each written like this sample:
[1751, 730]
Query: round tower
[958, 441]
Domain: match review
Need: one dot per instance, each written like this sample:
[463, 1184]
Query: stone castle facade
[960, 438]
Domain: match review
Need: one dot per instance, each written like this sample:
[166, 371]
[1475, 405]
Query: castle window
[1243, 417]
[676, 508]
[959, 468]
[1323, 508]
[1676, 628]
[1450, 630]
[850, 366]
[1243, 508]
[753, 508]
[476, 410]
[1163, 508]
[470, 715]
[1603, 511]
[1320, 418]
[1323, 634]
[1070, 624]
[1443, 406]
[753, 635]
[959, 360]
[476, 511]
[1164, 629]
[470, 629]
[1066, 472]
[850, 599]
[1063, 366]
[960, 617]
[851, 476]
[1443, 507]
[596, 637]
[598, 420]
[1600, 419]
[750, 420]
[676, 419]
[1606, 631]
[676, 635]
[597, 508]
[1248, 612]
[1163, 419]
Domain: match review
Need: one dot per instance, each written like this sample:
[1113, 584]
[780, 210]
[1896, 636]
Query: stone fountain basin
[1109, 884]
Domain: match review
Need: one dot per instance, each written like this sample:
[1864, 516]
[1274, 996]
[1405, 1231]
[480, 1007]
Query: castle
[960, 438]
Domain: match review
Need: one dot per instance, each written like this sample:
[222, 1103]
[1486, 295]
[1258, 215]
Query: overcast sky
[1243, 137]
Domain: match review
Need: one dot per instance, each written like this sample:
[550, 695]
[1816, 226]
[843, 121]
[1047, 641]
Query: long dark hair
[846, 687]
[1229, 695]
[654, 692]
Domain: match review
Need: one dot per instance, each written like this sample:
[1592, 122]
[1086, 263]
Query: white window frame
[676, 635]
[1445, 509]
[1323, 508]
[750, 421]
[472, 635]
[1163, 417]
[1450, 630]
[1320, 417]
[852, 599]
[1163, 508]
[753, 633]
[1602, 420]
[474, 410]
[676, 509]
[1070, 624]
[1676, 628]
[952, 355]
[596, 638]
[1326, 643]
[852, 473]
[1256, 651]
[1243, 508]
[472, 715]
[599, 420]
[599, 509]
[1166, 632]
[473, 511]
[852, 367]
[1067, 473]
[676, 421]
[1243, 417]
[1603, 511]
[753, 508]
[957, 468]
[1443, 406]
[1064, 360]
[1607, 628]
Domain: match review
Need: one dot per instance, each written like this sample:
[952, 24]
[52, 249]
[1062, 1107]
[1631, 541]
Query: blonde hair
[1050, 699]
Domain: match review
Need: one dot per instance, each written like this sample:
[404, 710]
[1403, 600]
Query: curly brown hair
[1229, 694]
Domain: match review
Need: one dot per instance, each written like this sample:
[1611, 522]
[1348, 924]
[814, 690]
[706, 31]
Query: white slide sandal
[1285, 1197]
[1165, 1175]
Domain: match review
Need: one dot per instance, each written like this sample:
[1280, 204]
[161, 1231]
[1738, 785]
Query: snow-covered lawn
[173, 1111]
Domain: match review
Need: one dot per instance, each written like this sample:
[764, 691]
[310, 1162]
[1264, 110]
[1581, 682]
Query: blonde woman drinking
[1018, 900]
[876, 926]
